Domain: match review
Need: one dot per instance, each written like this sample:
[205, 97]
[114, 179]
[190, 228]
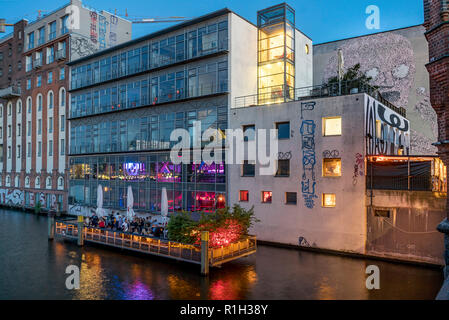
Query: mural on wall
[308, 183]
[102, 31]
[81, 47]
[113, 30]
[394, 130]
[389, 59]
[328, 154]
[93, 26]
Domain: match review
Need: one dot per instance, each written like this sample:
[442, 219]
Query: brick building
[34, 91]
[436, 16]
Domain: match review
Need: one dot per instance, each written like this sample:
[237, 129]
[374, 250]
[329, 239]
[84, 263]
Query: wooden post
[51, 225]
[204, 253]
[80, 230]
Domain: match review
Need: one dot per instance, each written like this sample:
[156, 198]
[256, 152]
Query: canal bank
[34, 268]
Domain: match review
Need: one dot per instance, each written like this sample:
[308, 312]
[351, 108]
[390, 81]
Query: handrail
[281, 95]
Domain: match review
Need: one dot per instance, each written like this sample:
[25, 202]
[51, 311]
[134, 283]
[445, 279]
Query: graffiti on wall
[358, 167]
[11, 197]
[102, 31]
[390, 60]
[81, 47]
[93, 26]
[386, 131]
[285, 155]
[308, 183]
[113, 30]
[328, 154]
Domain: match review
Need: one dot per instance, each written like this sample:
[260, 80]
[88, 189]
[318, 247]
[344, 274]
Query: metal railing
[37, 63]
[406, 183]
[10, 92]
[60, 54]
[155, 246]
[326, 90]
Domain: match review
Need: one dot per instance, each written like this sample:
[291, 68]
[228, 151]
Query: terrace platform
[158, 247]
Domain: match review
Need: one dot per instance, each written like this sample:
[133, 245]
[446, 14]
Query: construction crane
[3, 25]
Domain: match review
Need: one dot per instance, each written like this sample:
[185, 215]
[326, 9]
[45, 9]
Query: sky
[321, 20]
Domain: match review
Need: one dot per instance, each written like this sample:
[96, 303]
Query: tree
[353, 78]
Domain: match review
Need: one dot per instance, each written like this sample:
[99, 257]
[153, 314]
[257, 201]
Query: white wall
[340, 228]
[242, 58]
[303, 61]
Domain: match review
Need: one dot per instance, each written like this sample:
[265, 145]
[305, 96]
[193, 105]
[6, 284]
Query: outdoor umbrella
[130, 203]
[99, 210]
[164, 206]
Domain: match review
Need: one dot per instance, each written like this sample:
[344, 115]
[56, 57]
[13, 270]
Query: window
[52, 31]
[38, 81]
[267, 196]
[64, 28]
[62, 98]
[62, 147]
[41, 40]
[50, 100]
[50, 77]
[39, 149]
[18, 152]
[290, 198]
[39, 103]
[331, 167]
[9, 152]
[62, 123]
[1, 132]
[29, 129]
[39, 126]
[50, 148]
[332, 126]
[9, 131]
[283, 130]
[29, 150]
[62, 73]
[19, 129]
[50, 54]
[28, 63]
[248, 168]
[249, 132]
[28, 84]
[19, 65]
[50, 125]
[1, 72]
[244, 195]
[329, 200]
[31, 40]
[283, 169]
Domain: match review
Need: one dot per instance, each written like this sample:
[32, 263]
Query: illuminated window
[267, 196]
[332, 126]
[307, 49]
[378, 129]
[244, 195]
[329, 200]
[331, 167]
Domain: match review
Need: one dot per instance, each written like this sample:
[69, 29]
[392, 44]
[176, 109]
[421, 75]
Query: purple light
[134, 168]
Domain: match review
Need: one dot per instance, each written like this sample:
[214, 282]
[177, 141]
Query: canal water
[33, 268]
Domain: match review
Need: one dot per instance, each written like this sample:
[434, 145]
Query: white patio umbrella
[99, 210]
[130, 203]
[164, 206]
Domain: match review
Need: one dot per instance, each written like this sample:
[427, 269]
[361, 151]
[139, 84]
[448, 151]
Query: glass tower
[276, 54]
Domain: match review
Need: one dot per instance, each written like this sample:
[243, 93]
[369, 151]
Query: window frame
[324, 126]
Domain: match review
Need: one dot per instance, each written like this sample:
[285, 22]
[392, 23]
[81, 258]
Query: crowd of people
[136, 225]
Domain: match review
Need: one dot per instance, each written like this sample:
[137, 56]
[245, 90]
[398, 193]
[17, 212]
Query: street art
[81, 47]
[303, 242]
[308, 183]
[327, 154]
[113, 22]
[358, 167]
[389, 59]
[93, 27]
[12, 197]
[102, 31]
[285, 155]
[394, 130]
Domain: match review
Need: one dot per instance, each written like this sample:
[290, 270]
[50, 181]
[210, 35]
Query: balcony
[37, 63]
[279, 95]
[60, 54]
[10, 92]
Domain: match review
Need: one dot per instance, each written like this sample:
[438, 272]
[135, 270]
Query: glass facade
[276, 54]
[190, 187]
[155, 54]
[164, 86]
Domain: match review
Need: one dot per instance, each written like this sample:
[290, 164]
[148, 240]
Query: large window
[329, 200]
[249, 132]
[332, 126]
[331, 167]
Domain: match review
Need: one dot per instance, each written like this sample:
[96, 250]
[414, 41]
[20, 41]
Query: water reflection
[33, 268]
